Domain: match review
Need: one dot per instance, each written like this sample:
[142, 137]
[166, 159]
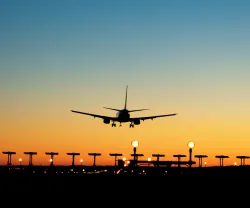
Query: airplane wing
[95, 115]
[151, 117]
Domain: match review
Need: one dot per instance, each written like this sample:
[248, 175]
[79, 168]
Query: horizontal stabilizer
[137, 110]
[112, 109]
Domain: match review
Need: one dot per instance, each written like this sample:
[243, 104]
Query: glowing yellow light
[124, 158]
[135, 143]
[191, 144]
[149, 159]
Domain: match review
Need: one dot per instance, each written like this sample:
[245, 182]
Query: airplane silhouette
[123, 115]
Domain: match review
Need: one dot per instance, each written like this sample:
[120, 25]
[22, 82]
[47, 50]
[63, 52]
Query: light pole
[124, 161]
[242, 159]
[115, 155]
[9, 157]
[191, 146]
[149, 159]
[95, 154]
[52, 154]
[73, 154]
[158, 158]
[135, 144]
[20, 161]
[30, 156]
[200, 159]
[81, 160]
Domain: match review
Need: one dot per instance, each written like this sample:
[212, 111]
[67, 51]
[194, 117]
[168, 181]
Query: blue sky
[190, 57]
[171, 44]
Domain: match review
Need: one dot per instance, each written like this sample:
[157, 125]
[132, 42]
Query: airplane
[123, 115]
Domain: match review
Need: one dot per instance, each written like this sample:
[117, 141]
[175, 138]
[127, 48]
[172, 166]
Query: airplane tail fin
[125, 106]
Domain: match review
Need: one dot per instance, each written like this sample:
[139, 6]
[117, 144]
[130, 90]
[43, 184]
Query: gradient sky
[185, 57]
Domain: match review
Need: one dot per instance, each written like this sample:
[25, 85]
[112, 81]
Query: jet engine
[137, 121]
[106, 120]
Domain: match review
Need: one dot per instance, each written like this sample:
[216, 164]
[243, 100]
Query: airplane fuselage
[123, 115]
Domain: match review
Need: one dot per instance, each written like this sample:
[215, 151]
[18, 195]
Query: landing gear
[131, 125]
[113, 125]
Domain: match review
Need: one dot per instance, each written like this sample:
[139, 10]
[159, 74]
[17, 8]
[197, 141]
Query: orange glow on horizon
[68, 132]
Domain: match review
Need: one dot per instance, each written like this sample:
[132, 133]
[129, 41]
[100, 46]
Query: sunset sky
[186, 57]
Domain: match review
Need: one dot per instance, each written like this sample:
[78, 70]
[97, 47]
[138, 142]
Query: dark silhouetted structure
[136, 158]
[94, 154]
[51, 157]
[73, 154]
[242, 159]
[179, 156]
[30, 156]
[9, 157]
[221, 157]
[135, 144]
[200, 159]
[191, 146]
[115, 155]
[158, 158]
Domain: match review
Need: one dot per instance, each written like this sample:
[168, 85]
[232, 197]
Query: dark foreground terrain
[157, 187]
